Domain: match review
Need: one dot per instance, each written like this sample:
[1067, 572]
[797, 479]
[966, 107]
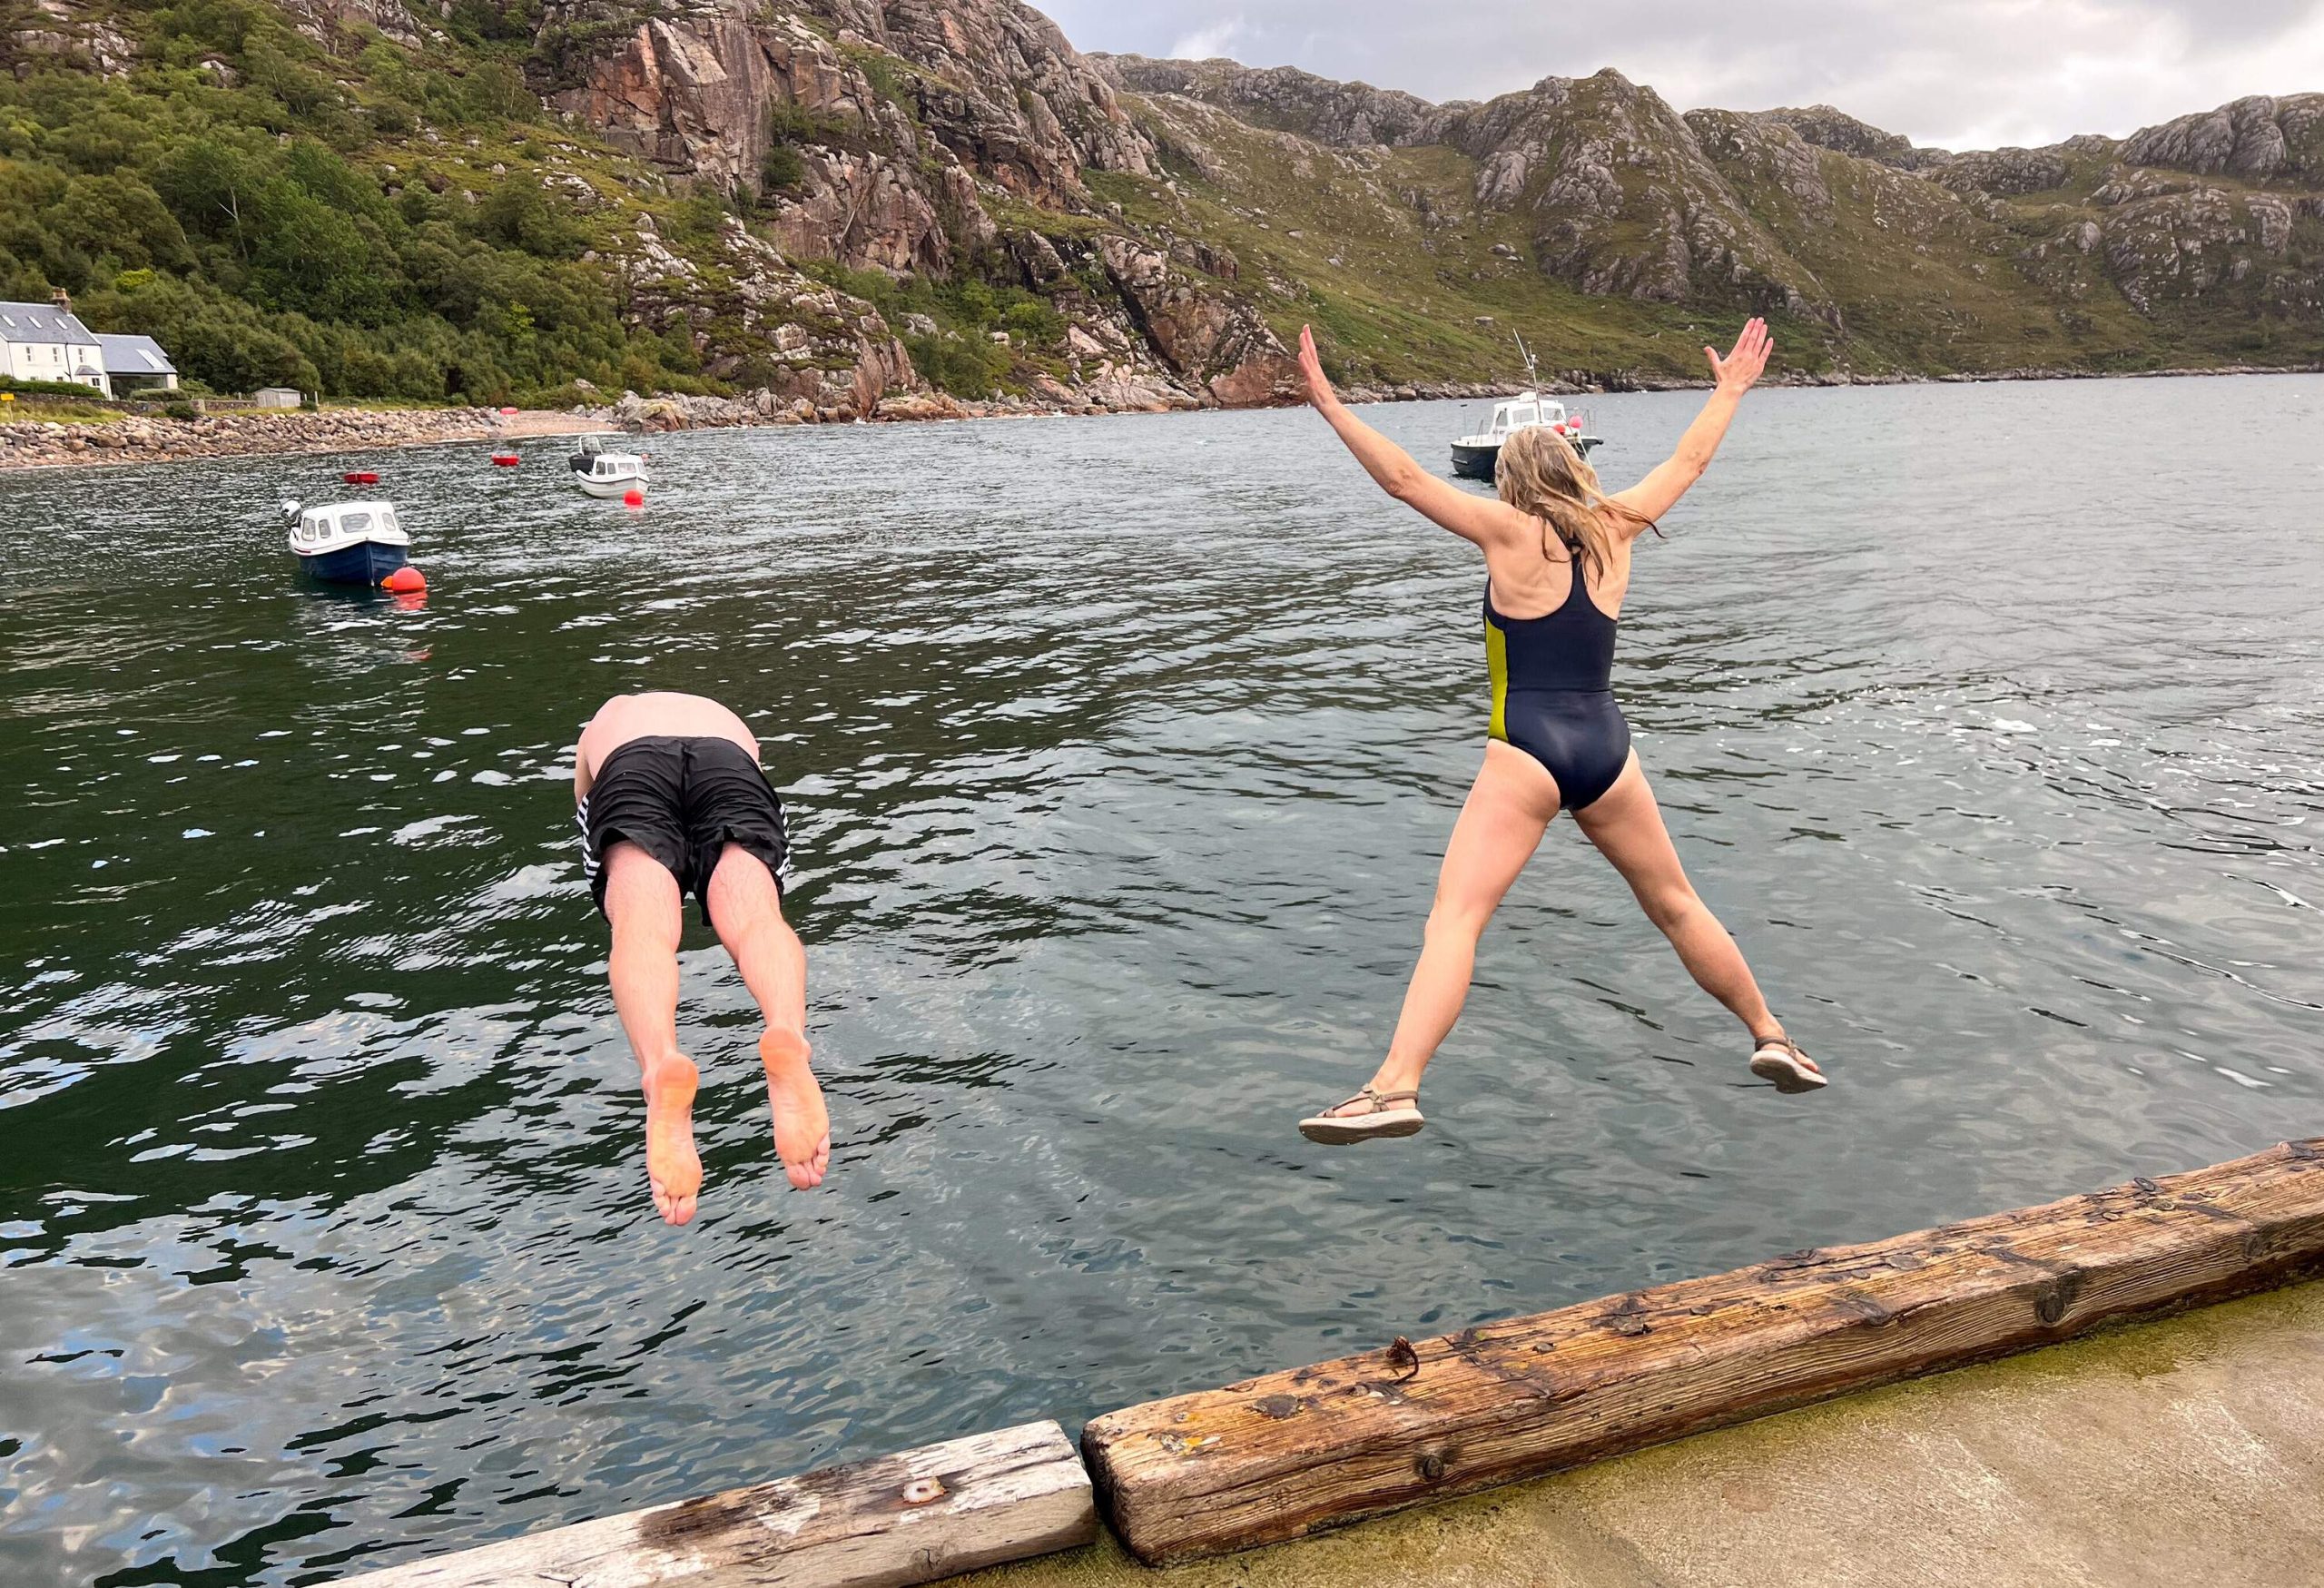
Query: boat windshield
[386, 517]
[355, 523]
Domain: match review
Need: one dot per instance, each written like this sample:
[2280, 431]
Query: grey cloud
[1965, 73]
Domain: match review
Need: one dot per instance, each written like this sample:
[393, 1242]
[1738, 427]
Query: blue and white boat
[348, 543]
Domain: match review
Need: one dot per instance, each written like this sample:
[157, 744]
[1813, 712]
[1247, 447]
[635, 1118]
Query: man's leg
[643, 903]
[746, 909]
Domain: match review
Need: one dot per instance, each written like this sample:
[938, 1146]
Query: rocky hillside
[802, 209]
[2199, 241]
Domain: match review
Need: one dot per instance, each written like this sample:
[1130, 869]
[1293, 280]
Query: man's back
[659, 714]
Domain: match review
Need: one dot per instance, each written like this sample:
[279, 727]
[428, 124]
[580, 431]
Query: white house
[47, 341]
[136, 363]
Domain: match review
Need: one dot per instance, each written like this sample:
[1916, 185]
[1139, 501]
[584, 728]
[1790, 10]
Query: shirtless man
[672, 799]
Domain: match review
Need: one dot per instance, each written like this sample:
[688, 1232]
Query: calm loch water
[1120, 754]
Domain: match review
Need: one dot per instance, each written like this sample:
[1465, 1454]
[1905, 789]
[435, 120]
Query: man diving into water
[670, 799]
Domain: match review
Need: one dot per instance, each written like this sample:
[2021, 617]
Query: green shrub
[51, 388]
[963, 366]
[781, 170]
[181, 409]
[1034, 322]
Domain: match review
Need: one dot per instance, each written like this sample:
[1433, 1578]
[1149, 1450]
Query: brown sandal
[1384, 1119]
[1782, 1061]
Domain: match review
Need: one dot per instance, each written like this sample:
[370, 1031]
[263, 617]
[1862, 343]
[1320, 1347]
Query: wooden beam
[901, 1519]
[1279, 1456]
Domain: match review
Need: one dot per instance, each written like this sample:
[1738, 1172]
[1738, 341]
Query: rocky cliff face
[904, 124]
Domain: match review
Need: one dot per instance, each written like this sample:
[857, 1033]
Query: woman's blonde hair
[1540, 474]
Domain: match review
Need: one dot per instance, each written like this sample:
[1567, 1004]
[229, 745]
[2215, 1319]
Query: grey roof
[41, 322]
[134, 355]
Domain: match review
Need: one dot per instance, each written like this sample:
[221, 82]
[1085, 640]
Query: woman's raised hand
[1742, 366]
[1311, 365]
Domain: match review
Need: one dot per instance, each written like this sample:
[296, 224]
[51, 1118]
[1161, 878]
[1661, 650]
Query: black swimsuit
[1551, 691]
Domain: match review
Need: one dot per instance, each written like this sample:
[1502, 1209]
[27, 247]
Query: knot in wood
[1430, 1464]
[923, 1491]
[1277, 1407]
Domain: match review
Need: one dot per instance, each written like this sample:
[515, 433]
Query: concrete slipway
[2185, 1454]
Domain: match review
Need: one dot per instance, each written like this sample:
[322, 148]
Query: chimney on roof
[63, 300]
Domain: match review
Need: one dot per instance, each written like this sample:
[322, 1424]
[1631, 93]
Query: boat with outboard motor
[607, 474]
[1478, 456]
[348, 543]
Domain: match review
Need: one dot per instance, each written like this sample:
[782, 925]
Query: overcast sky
[1960, 74]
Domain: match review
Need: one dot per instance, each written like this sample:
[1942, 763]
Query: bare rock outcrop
[1214, 343]
[1000, 86]
[2258, 138]
[1767, 156]
[1827, 128]
[1624, 199]
[1285, 99]
[2165, 242]
[776, 328]
[2004, 171]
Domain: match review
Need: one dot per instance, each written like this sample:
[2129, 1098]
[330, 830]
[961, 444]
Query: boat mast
[1532, 371]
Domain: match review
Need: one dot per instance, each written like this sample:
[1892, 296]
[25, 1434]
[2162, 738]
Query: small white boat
[607, 474]
[348, 543]
[1478, 457]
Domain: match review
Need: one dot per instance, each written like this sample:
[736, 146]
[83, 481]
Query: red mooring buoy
[360, 476]
[505, 460]
[633, 498]
[406, 580]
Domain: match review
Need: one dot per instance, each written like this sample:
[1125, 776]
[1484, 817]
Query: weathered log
[901, 1519]
[1281, 1455]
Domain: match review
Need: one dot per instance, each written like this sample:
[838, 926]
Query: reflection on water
[1120, 754]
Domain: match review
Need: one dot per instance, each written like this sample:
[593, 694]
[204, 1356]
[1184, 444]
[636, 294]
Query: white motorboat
[348, 543]
[607, 474]
[1476, 457]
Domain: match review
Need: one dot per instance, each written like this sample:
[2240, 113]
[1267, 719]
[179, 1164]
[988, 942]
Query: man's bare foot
[673, 1167]
[803, 1128]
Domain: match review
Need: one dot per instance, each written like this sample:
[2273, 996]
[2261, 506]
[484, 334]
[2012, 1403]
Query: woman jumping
[1557, 548]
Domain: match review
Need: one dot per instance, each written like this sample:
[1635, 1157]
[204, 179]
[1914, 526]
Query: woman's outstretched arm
[1472, 518]
[1656, 494]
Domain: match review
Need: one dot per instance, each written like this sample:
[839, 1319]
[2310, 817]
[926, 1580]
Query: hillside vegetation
[817, 204]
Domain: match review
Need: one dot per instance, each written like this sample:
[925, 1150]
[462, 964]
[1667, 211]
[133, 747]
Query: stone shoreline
[36, 444]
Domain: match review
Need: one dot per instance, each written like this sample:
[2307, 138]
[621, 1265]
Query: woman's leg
[1509, 808]
[1626, 825]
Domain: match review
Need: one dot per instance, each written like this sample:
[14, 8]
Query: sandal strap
[1785, 1045]
[1380, 1100]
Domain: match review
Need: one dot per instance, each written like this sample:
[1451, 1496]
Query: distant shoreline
[1798, 381]
[29, 444]
[34, 443]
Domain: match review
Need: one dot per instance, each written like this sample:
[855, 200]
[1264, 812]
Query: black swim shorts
[683, 801]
